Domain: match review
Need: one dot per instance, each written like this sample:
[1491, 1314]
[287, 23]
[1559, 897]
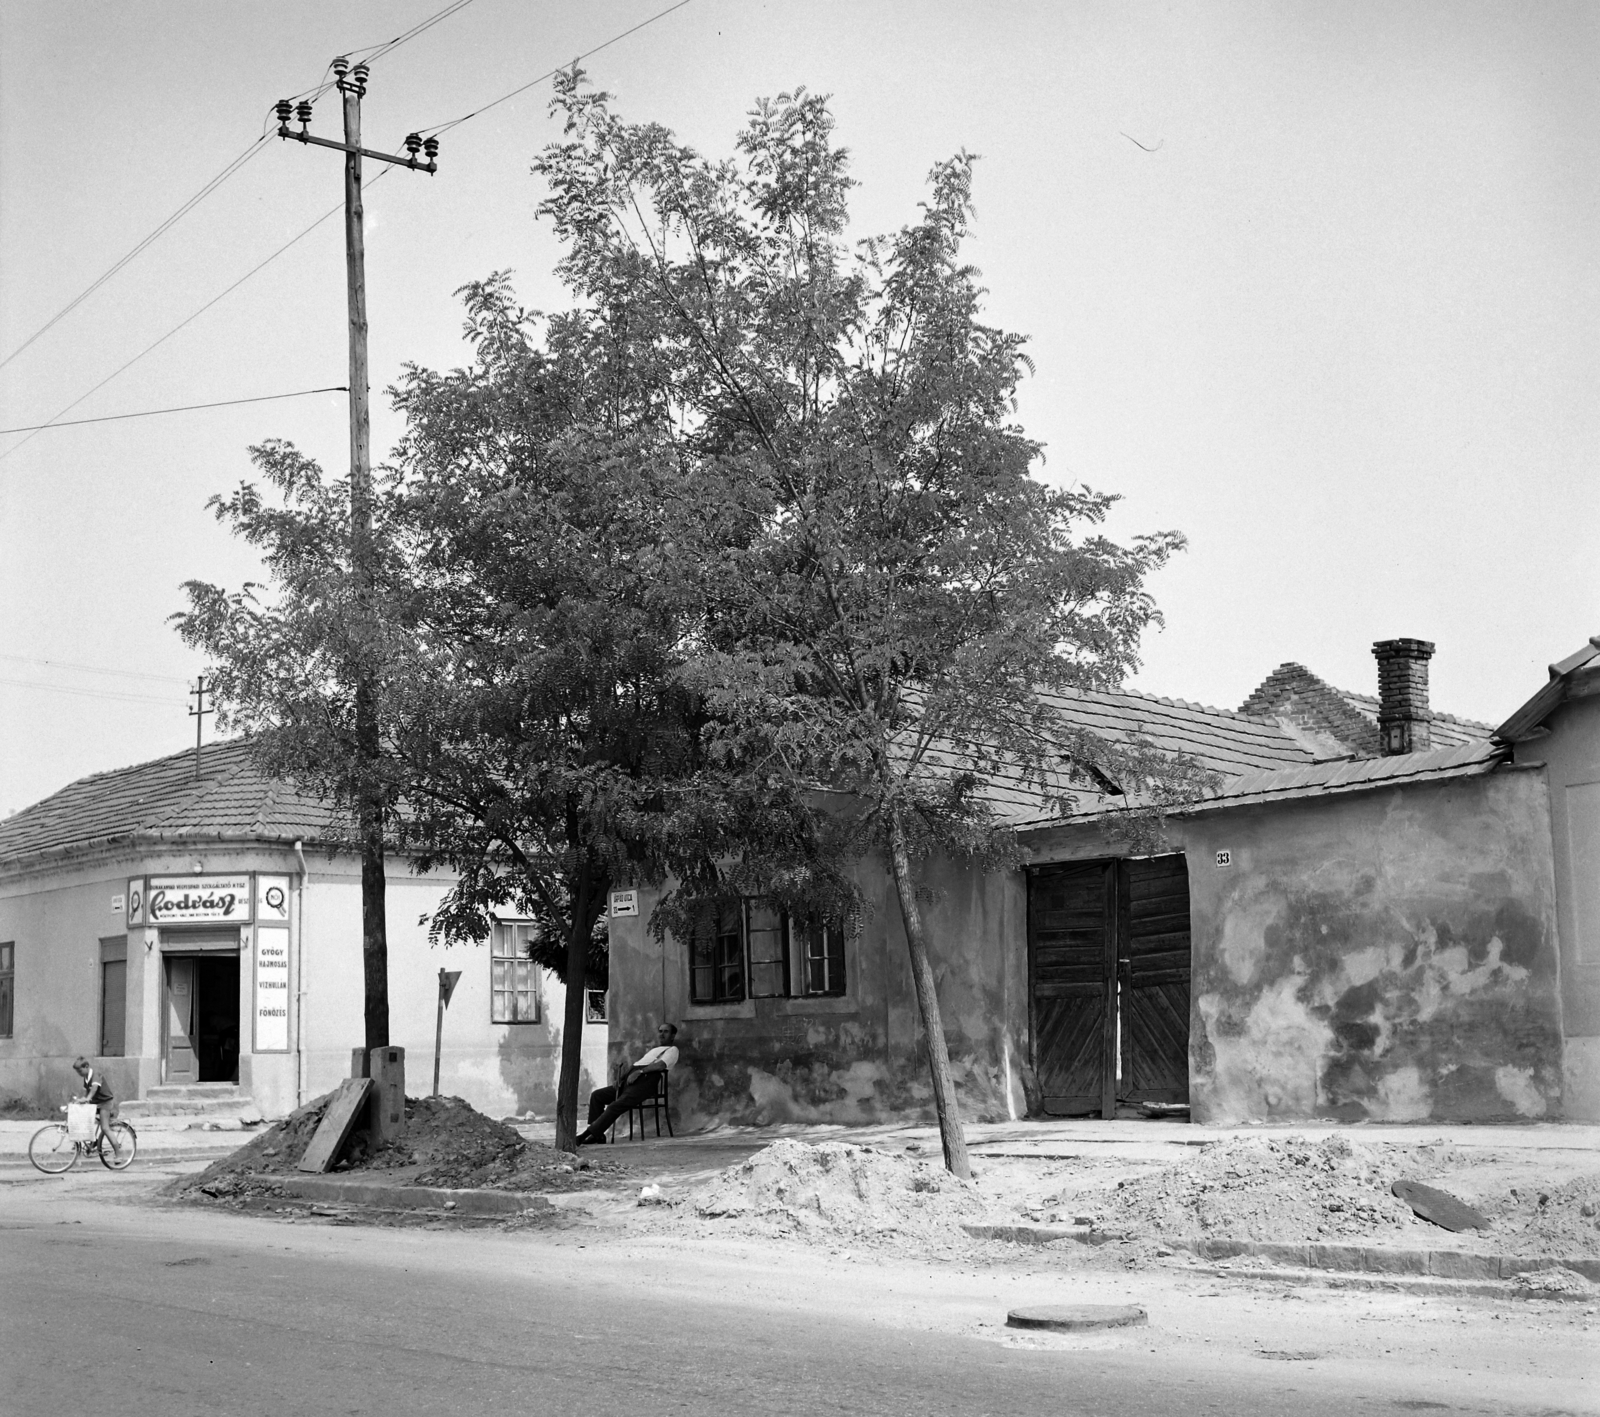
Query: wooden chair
[657, 1102]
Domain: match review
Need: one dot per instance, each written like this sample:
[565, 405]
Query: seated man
[635, 1083]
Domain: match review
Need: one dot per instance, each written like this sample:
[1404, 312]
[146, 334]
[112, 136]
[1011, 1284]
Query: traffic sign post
[447, 987]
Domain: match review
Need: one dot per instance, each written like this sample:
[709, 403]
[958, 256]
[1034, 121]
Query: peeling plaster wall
[860, 1058]
[1570, 756]
[1383, 956]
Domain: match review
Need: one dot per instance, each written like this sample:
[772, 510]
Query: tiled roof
[163, 801]
[1352, 775]
[1533, 713]
[1447, 730]
[1218, 740]
[1334, 723]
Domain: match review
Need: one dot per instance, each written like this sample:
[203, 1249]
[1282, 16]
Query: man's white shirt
[667, 1056]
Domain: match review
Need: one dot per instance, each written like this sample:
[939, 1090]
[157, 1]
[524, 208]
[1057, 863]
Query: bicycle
[55, 1150]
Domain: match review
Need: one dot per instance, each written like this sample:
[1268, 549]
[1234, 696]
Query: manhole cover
[1074, 1318]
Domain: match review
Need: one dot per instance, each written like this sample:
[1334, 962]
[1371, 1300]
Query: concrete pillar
[387, 1069]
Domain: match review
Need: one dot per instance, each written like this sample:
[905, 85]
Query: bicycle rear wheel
[118, 1146]
[52, 1150]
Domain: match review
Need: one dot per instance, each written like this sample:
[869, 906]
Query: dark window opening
[8, 979]
[754, 949]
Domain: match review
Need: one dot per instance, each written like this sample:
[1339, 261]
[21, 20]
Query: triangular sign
[447, 984]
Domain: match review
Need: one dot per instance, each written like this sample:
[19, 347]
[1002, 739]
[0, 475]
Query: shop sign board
[272, 989]
[136, 901]
[272, 900]
[624, 903]
[198, 900]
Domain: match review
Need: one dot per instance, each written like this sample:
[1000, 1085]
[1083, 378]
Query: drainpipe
[300, 980]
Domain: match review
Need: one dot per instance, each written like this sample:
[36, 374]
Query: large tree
[904, 595]
[549, 738]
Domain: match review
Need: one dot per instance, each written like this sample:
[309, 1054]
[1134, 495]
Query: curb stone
[370, 1193]
[1337, 1258]
[1404, 1284]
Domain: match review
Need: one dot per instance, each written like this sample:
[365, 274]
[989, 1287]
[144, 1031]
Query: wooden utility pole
[352, 85]
[198, 713]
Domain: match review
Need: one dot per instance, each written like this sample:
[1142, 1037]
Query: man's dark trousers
[606, 1104]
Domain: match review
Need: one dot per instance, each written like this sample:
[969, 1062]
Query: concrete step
[206, 1099]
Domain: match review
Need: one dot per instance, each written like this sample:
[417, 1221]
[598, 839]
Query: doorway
[1109, 972]
[202, 1017]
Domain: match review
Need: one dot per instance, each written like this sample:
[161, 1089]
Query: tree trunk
[944, 1088]
[374, 915]
[582, 925]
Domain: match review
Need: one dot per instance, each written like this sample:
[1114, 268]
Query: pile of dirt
[1553, 1220]
[1290, 1188]
[20, 1109]
[837, 1190]
[447, 1142]
[1264, 1188]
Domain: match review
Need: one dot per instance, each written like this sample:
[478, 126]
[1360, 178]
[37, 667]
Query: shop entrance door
[1108, 962]
[203, 1017]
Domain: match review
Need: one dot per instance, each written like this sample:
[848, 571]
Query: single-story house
[1363, 922]
[195, 928]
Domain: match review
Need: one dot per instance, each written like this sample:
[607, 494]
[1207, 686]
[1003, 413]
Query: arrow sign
[447, 984]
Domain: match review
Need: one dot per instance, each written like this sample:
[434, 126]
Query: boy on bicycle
[97, 1091]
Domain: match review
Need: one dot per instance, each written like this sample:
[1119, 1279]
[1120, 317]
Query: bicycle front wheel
[117, 1147]
[52, 1150]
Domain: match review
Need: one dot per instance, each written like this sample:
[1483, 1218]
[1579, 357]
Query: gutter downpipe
[300, 978]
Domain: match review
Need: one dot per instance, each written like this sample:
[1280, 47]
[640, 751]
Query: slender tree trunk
[586, 892]
[374, 915]
[944, 1088]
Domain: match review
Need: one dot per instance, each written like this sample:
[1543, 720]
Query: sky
[1316, 284]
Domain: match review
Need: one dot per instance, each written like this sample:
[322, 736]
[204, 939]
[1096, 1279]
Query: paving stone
[1338, 1257]
[1379, 1259]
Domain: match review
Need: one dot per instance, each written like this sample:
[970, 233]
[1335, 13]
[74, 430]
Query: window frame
[510, 942]
[797, 960]
[8, 988]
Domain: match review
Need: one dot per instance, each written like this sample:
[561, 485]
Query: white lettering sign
[272, 990]
[116, 905]
[624, 903]
[1224, 858]
[199, 900]
[272, 900]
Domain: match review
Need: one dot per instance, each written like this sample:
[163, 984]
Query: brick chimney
[1404, 719]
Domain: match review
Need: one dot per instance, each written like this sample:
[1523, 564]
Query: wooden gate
[1109, 941]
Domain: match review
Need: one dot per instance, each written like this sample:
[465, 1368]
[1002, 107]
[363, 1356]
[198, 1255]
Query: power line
[377, 52]
[88, 693]
[438, 128]
[189, 321]
[182, 408]
[550, 74]
[91, 669]
[145, 244]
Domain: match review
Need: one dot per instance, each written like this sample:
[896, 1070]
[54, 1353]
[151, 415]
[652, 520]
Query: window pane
[5, 1006]
[769, 975]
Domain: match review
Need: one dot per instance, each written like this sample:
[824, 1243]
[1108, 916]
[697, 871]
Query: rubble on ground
[447, 1142]
[1291, 1188]
[836, 1190]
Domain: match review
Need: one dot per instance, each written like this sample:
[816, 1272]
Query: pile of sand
[1553, 1220]
[1260, 1188]
[836, 1190]
[446, 1143]
[1289, 1188]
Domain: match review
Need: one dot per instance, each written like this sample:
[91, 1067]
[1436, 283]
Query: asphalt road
[109, 1304]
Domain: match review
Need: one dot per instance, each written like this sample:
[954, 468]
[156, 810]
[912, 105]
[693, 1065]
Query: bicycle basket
[80, 1121]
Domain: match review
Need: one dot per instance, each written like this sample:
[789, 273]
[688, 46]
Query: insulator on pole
[430, 148]
[284, 109]
[413, 144]
[358, 76]
[340, 67]
[303, 113]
